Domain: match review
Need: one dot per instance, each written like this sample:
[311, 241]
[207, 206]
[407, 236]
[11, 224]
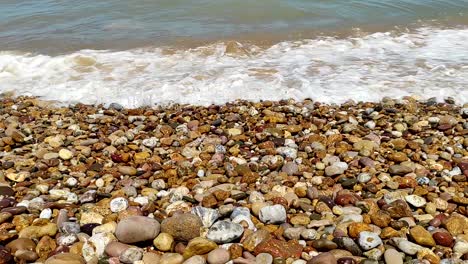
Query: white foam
[428, 63]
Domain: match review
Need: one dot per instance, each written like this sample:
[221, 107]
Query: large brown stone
[21, 244]
[323, 258]
[279, 249]
[251, 241]
[65, 258]
[422, 236]
[443, 239]
[136, 229]
[398, 209]
[381, 218]
[456, 223]
[182, 227]
[199, 246]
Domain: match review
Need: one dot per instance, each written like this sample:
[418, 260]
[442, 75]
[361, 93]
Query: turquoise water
[64, 25]
[145, 52]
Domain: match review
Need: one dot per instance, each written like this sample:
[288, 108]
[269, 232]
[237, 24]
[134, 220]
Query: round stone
[415, 200]
[364, 177]
[65, 154]
[218, 256]
[195, 260]
[274, 214]
[171, 258]
[369, 240]
[225, 231]
[443, 239]
[198, 246]
[46, 213]
[118, 204]
[392, 256]
[163, 242]
[71, 182]
[136, 229]
[115, 249]
[65, 258]
[131, 255]
[182, 227]
[264, 258]
[323, 258]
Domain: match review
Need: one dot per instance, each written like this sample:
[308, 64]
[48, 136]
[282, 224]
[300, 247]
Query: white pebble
[71, 182]
[200, 173]
[99, 183]
[415, 200]
[43, 188]
[72, 198]
[364, 177]
[275, 214]
[369, 240]
[24, 203]
[158, 184]
[65, 154]
[299, 261]
[141, 200]
[370, 125]
[150, 142]
[118, 204]
[46, 213]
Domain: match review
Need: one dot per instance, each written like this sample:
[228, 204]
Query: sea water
[146, 52]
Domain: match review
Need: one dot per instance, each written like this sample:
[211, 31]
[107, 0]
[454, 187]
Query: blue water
[64, 25]
[145, 52]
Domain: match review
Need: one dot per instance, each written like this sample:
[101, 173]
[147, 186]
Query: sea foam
[428, 62]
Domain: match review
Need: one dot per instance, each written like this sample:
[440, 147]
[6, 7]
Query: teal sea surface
[139, 52]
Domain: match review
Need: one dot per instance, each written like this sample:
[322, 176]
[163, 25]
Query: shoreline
[250, 182]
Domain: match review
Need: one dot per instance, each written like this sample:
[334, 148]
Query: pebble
[150, 257]
[46, 213]
[264, 258]
[392, 256]
[407, 246]
[224, 231]
[131, 255]
[163, 242]
[461, 247]
[218, 256]
[136, 229]
[198, 246]
[115, 249]
[443, 238]
[195, 260]
[309, 234]
[207, 215]
[171, 258]
[182, 227]
[65, 154]
[364, 177]
[280, 181]
[127, 170]
[422, 236]
[415, 200]
[336, 168]
[118, 204]
[323, 258]
[65, 258]
[369, 240]
[150, 142]
[275, 214]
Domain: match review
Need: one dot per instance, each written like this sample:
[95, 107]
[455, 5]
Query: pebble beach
[283, 182]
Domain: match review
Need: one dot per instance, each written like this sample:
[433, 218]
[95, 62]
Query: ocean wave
[428, 62]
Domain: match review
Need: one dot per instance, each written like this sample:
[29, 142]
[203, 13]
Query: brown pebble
[15, 210]
[443, 239]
